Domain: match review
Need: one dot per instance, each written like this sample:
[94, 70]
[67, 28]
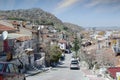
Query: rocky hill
[38, 16]
[35, 14]
[72, 27]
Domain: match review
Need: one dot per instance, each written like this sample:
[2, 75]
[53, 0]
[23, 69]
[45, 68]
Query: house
[62, 44]
[4, 43]
[113, 71]
[18, 42]
[62, 35]
[6, 28]
[115, 39]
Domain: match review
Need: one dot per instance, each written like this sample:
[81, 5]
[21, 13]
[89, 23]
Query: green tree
[53, 54]
[76, 46]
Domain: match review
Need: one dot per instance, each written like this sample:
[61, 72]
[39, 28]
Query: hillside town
[59, 40]
[28, 44]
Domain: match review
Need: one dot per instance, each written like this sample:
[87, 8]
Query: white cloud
[64, 5]
[104, 5]
[94, 3]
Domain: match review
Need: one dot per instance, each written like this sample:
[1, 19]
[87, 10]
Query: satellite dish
[39, 28]
[4, 35]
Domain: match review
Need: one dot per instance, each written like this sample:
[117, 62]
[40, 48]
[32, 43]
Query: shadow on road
[61, 63]
[62, 67]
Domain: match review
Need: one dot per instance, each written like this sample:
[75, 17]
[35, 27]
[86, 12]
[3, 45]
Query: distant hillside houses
[99, 35]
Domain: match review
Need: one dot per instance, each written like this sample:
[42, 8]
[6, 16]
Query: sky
[85, 13]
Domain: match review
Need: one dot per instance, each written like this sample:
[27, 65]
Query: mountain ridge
[37, 15]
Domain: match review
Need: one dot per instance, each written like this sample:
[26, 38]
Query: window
[7, 70]
[1, 67]
[11, 68]
[16, 69]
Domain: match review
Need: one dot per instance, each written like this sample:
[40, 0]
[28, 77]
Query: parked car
[10, 71]
[74, 64]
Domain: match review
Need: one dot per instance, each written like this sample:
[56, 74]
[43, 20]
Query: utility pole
[39, 32]
[38, 38]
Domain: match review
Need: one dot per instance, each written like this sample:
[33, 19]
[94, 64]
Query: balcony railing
[116, 49]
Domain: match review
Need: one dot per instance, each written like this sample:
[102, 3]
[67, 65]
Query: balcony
[116, 50]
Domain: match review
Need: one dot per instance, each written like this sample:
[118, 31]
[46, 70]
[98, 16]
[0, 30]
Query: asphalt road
[62, 72]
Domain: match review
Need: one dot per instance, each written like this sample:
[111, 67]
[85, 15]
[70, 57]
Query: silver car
[74, 64]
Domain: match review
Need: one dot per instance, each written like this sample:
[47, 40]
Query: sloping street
[61, 72]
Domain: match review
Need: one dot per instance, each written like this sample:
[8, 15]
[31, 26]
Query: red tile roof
[24, 38]
[6, 28]
[112, 71]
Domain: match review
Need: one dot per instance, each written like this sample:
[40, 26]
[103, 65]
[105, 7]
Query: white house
[62, 44]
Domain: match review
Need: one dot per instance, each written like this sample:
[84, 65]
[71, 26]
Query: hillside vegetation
[72, 27]
[38, 16]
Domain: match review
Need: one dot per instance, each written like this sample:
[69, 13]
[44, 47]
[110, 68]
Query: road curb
[32, 73]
